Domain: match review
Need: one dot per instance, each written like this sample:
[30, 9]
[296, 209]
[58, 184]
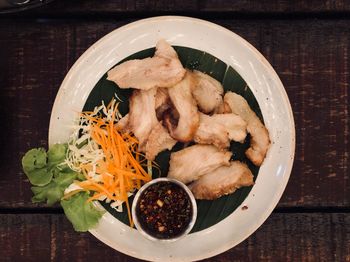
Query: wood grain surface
[283, 237]
[199, 7]
[306, 41]
[310, 56]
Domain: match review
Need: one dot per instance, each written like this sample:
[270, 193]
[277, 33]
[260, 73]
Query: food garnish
[116, 171]
[47, 173]
[100, 162]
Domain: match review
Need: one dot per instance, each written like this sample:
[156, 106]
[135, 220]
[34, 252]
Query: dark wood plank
[283, 237]
[94, 7]
[298, 6]
[25, 237]
[311, 57]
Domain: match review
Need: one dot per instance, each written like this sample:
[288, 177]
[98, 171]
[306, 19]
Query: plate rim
[292, 143]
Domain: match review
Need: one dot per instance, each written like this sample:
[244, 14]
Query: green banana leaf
[209, 212]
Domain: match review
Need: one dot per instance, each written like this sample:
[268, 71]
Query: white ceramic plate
[262, 80]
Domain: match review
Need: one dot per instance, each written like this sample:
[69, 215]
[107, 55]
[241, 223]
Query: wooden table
[308, 44]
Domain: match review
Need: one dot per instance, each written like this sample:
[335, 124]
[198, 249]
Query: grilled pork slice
[210, 132]
[163, 102]
[222, 181]
[260, 141]
[164, 69]
[185, 108]
[191, 163]
[158, 141]
[219, 129]
[234, 124]
[142, 115]
[123, 124]
[207, 93]
[222, 108]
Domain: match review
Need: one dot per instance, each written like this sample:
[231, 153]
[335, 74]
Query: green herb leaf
[40, 166]
[53, 192]
[82, 214]
[56, 154]
[34, 166]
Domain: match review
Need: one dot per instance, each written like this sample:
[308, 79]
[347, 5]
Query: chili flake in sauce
[164, 210]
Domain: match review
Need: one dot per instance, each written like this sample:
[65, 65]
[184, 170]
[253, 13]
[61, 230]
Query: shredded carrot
[120, 171]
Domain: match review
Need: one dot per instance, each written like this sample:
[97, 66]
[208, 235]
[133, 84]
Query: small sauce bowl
[164, 209]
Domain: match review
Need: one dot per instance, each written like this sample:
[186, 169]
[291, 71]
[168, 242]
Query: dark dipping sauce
[164, 210]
